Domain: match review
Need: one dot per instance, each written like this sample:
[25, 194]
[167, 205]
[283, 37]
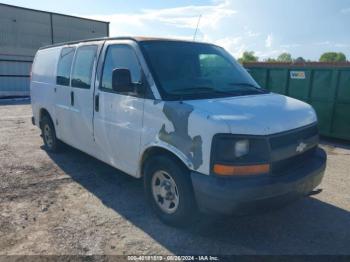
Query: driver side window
[120, 56]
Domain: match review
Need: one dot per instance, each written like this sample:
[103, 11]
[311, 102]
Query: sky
[304, 28]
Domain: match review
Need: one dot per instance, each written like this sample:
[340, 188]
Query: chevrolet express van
[185, 117]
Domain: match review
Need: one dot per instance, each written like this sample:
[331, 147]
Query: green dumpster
[325, 86]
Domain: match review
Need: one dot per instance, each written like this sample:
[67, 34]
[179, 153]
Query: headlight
[241, 148]
[236, 151]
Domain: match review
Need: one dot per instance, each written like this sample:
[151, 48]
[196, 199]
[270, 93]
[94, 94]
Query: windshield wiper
[262, 90]
[195, 88]
[181, 92]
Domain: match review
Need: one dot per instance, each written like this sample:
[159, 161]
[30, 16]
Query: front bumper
[246, 195]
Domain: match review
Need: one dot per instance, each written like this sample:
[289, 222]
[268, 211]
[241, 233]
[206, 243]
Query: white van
[185, 117]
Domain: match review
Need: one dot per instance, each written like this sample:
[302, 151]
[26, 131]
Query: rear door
[118, 116]
[82, 76]
[63, 94]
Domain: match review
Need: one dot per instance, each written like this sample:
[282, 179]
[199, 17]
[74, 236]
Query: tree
[248, 57]
[299, 60]
[285, 58]
[333, 57]
[271, 60]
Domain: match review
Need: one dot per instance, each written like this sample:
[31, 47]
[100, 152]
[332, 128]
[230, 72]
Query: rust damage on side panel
[178, 114]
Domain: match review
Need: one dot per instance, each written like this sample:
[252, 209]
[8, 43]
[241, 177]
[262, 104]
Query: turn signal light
[225, 170]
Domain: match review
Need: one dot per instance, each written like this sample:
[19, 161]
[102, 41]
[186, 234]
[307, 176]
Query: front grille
[288, 138]
[279, 167]
[286, 153]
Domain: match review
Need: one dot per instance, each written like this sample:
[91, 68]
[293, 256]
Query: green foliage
[285, 58]
[333, 57]
[248, 57]
[271, 60]
[299, 60]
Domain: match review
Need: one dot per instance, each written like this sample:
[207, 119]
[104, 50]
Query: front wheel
[169, 190]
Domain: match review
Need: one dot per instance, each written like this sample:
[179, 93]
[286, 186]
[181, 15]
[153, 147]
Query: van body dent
[185, 116]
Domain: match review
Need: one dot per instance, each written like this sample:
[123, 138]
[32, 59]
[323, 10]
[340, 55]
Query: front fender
[171, 149]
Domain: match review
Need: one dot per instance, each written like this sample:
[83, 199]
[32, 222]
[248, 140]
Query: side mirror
[121, 80]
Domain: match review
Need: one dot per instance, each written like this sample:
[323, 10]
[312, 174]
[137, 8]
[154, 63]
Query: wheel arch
[42, 113]
[160, 150]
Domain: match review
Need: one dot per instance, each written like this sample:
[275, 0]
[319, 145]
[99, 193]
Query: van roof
[133, 38]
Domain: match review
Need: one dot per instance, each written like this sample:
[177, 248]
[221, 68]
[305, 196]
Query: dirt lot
[71, 203]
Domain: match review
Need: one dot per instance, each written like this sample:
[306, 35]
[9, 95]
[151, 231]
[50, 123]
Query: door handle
[97, 102]
[72, 98]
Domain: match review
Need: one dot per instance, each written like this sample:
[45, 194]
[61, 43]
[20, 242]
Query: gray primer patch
[178, 114]
[157, 101]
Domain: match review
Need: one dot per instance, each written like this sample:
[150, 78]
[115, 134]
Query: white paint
[258, 114]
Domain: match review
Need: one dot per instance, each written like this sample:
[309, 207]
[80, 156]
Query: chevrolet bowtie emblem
[301, 147]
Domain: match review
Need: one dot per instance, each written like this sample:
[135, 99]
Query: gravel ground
[70, 203]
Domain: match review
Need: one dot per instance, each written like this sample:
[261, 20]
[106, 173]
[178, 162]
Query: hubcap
[165, 192]
[48, 135]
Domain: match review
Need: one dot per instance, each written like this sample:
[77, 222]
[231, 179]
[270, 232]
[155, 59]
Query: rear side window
[83, 65]
[64, 66]
[44, 67]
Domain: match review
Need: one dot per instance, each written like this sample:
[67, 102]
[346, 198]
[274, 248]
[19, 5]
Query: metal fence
[325, 86]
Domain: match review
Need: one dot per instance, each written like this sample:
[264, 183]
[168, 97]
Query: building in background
[23, 31]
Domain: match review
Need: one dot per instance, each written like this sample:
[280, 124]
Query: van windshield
[187, 70]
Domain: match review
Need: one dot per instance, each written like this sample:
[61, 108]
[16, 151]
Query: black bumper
[246, 195]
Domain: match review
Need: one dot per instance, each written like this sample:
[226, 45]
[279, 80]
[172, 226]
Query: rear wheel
[52, 144]
[169, 191]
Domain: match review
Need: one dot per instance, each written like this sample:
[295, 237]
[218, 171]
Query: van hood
[262, 114]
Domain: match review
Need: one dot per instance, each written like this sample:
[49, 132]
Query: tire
[174, 204]
[52, 144]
